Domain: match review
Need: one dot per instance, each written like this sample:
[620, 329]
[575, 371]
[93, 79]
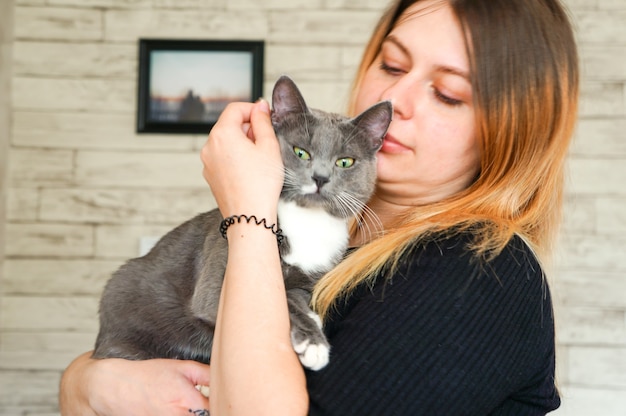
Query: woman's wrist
[251, 234]
[251, 221]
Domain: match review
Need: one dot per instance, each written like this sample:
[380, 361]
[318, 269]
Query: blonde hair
[524, 75]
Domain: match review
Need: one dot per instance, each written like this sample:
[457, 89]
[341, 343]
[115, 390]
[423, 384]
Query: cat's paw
[311, 346]
[313, 356]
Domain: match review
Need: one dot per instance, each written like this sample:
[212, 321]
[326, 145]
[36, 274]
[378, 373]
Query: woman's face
[430, 151]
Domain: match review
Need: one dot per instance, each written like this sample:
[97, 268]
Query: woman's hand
[242, 161]
[112, 387]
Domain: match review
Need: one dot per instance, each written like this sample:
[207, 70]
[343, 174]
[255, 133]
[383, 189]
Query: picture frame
[184, 85]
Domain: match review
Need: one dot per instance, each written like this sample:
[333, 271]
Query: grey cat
[164, 304]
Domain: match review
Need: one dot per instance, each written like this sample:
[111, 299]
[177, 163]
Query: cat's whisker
[291, 180]
[366, 219]
[349, 205]
[353, 133]
[273, 170]
[306, 124]
[345, 208]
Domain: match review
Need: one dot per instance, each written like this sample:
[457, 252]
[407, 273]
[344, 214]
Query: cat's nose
[320, 180]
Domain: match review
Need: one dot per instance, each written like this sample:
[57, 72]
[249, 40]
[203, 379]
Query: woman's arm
[254, 368]
[114, 386]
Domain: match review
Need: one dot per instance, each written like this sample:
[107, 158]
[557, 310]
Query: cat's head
[330, 160]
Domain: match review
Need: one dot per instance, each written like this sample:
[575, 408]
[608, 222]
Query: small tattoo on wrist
[201, 412]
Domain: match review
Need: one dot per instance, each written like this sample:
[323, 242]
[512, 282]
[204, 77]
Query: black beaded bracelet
[227, 222]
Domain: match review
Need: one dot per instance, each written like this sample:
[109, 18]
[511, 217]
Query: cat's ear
[286, 99]
[375, 122]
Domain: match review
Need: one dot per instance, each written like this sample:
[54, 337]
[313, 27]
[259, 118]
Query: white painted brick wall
[6, 41]
[590, 283]
[83, 188]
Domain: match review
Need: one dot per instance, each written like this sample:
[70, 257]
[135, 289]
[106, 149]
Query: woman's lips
[391, 145]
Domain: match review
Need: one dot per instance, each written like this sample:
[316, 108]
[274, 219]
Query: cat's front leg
[307, 337]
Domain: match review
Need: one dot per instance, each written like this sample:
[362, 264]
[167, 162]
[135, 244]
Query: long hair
[524, 76]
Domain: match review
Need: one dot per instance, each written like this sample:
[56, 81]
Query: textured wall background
[83, 188]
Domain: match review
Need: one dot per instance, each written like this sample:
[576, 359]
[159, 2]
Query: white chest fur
[316, 238]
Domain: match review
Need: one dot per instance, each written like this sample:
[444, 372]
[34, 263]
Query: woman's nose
[403, 96]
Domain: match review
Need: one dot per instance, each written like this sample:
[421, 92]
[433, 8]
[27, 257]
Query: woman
[446, 310]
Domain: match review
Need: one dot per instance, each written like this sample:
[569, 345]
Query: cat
[164, 304]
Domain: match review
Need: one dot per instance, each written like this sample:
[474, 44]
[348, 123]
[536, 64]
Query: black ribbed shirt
[445, 335]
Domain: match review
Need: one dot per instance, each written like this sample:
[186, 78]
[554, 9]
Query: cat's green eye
[345, 162]
[301, 153]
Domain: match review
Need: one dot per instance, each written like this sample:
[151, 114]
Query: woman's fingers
[241, 159]
[261, 122]
[197, 373]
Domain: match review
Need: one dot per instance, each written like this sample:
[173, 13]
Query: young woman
[446, 310]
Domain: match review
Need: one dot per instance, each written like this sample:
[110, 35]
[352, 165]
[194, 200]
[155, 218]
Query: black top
[444, 336]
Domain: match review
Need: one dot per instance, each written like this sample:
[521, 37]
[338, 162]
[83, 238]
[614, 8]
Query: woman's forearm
[254, 368]
[72, 399]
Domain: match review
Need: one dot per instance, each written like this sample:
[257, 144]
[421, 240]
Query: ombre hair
[524, 76]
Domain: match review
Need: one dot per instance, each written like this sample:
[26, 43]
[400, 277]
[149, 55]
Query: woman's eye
[301, 153]
[445, 99]
[389, 69]
[345, 162]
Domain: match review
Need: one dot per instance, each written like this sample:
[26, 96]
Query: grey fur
[164, 304]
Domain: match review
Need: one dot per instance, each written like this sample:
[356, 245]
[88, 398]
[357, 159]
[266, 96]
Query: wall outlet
[146, 243]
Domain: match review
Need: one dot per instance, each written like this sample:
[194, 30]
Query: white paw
[313, 356]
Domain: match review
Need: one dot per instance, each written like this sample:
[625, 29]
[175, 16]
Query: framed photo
[184, 85]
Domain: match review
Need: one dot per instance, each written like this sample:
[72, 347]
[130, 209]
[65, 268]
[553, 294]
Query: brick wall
[6, 41]
[591, 272]
[83, 188]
